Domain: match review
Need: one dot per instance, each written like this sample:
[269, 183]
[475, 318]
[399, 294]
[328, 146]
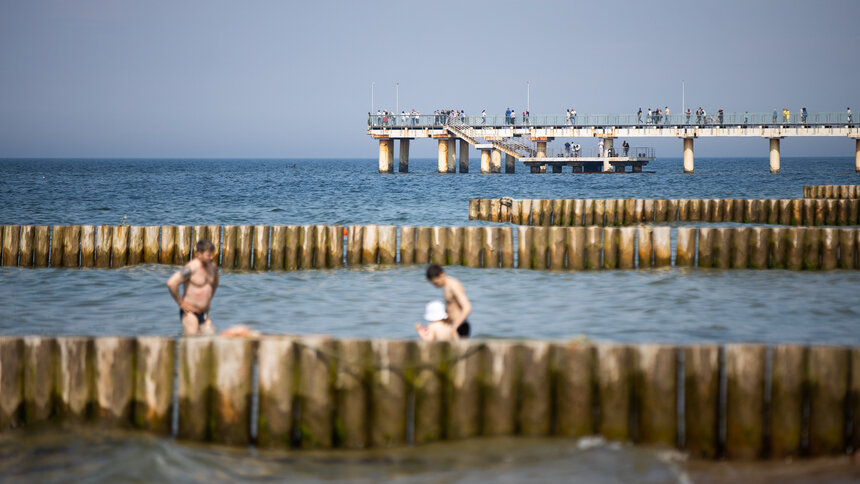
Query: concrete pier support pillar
[607, 152]
[442, 160]
[404, 156]
[464, 156]
[496, 161]
[541, 149]
[511, 163]
[485, 161]
[452, 156]
[857, 155]
[688, 155]
[386, 156]
[774, 155]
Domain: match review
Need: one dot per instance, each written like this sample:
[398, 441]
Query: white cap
[435, 311]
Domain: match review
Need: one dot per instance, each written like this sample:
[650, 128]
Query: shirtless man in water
[457, 304]
[200, 277]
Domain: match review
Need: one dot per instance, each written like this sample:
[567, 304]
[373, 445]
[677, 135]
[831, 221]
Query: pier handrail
[793, 119]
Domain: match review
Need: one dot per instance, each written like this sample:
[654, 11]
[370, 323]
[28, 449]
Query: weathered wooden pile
[635, 211]
[261, 247]
[831, 191]
[318, 393]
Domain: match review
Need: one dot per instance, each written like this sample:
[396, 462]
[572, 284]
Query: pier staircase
[510, 146]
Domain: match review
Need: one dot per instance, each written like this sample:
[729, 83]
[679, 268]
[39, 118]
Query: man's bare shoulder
[454, 284]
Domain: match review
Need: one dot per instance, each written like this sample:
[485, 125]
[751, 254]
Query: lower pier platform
[589, 164]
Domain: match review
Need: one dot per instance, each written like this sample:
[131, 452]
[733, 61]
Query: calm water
[668, 305]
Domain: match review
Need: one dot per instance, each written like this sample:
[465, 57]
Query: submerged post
[464, 156]
[403, 162]
[688, 155]
[774, 155]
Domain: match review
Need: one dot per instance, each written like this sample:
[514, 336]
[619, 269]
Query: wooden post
[153, 383]
[526, 212]
[277, 370]
[407, 244]
[588, 212]
[610, 207]
[575, 239]
[843, 210]
[705, 256]
[620, 210]
[660, 208]
[831, 216]
[638, 211]
[484, 209]
[773, 212]
[42, 245]
[38, 377]
[812, 249]
[794, 242]
[573, 365]
[168, 244]
[535, 409]
[261, 247]
[472, 241]
[506, 246]
[546, 206]
[120, 253]
[505, 213]
[750, 211]
[25, 258]
[745, 417]
[113, 373]
[819, 212]
[701, 400]
[808, 212]
[334, 251]
[738, 206]
[495, 210]
[183, 245]
[429, 402]
[759, 247]
[71, 388]
[278, 248]
[439, 245]
[214, 234]
[307, 239]
[291, 247]
[796, 212]
[195, 385]
[648, 210]
[370, 245]
[686, 247]
[848, 250]
[610, 248]
[829, 248]
[11, 240]
[827, 377]
[12, 364]
[228, 248]
[455, 245]
[245, 247]
[491, 247]
[474, 208]
[557, 209]
[777, 244]
[463, 389]
[557, 247]
[516, 212]
[233, 359]
[786, 400]
[644, 246]
[599, 212]
[626, 247]
[135, 244]
[854, 407]
[740, 247]
[537, 212]
[500, 376]
[566, 216]
[104, 236]
[387, 244]
[422, 245]
[694, 210]
[594, 247]
[661, 239]
[540, 239]
[854, 212]
[684, 209]
[578, 213]
[353, 245]
[389, 389]
[672, 210]
[351, 382]
[717, 210]
[524, 247]
[613, 383]
[722, 247]
[72, 246]
[150, 244]
[785, 211]
[88, 245]
[656, 379]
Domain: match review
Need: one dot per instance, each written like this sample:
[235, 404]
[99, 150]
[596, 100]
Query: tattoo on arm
[185, 272]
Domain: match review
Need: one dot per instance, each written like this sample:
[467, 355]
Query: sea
[670, 305]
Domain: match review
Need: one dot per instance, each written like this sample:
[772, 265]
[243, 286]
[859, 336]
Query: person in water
[457, 305]
[200, 277]
[439, 328]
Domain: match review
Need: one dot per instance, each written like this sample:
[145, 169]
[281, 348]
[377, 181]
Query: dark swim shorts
[201, 317]
[464, 330]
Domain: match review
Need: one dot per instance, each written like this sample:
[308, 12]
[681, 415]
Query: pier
[526, 140]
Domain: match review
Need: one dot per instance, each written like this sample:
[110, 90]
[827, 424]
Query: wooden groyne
[635, 211]
[831, 191]
[733, 401]
[288, 248]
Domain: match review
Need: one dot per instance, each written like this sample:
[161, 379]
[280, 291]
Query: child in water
[438, 327]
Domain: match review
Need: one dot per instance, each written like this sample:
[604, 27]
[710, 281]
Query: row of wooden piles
[831, 191]
[634, 211]
[572, 248]
[736, 401]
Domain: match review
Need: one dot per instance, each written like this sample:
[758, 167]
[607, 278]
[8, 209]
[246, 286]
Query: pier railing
[795, 119]
[738, 401]
[632, 152]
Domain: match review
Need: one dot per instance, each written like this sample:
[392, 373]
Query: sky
[288, 79]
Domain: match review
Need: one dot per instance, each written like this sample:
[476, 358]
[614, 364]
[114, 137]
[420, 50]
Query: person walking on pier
[483, 116]
[688, 115]
[200, 277]
[774, 116]
[573, 115]
[639, 116]
[720, 114]
[457, 305]
[626, 147]
[848, 109]
[508, 116]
